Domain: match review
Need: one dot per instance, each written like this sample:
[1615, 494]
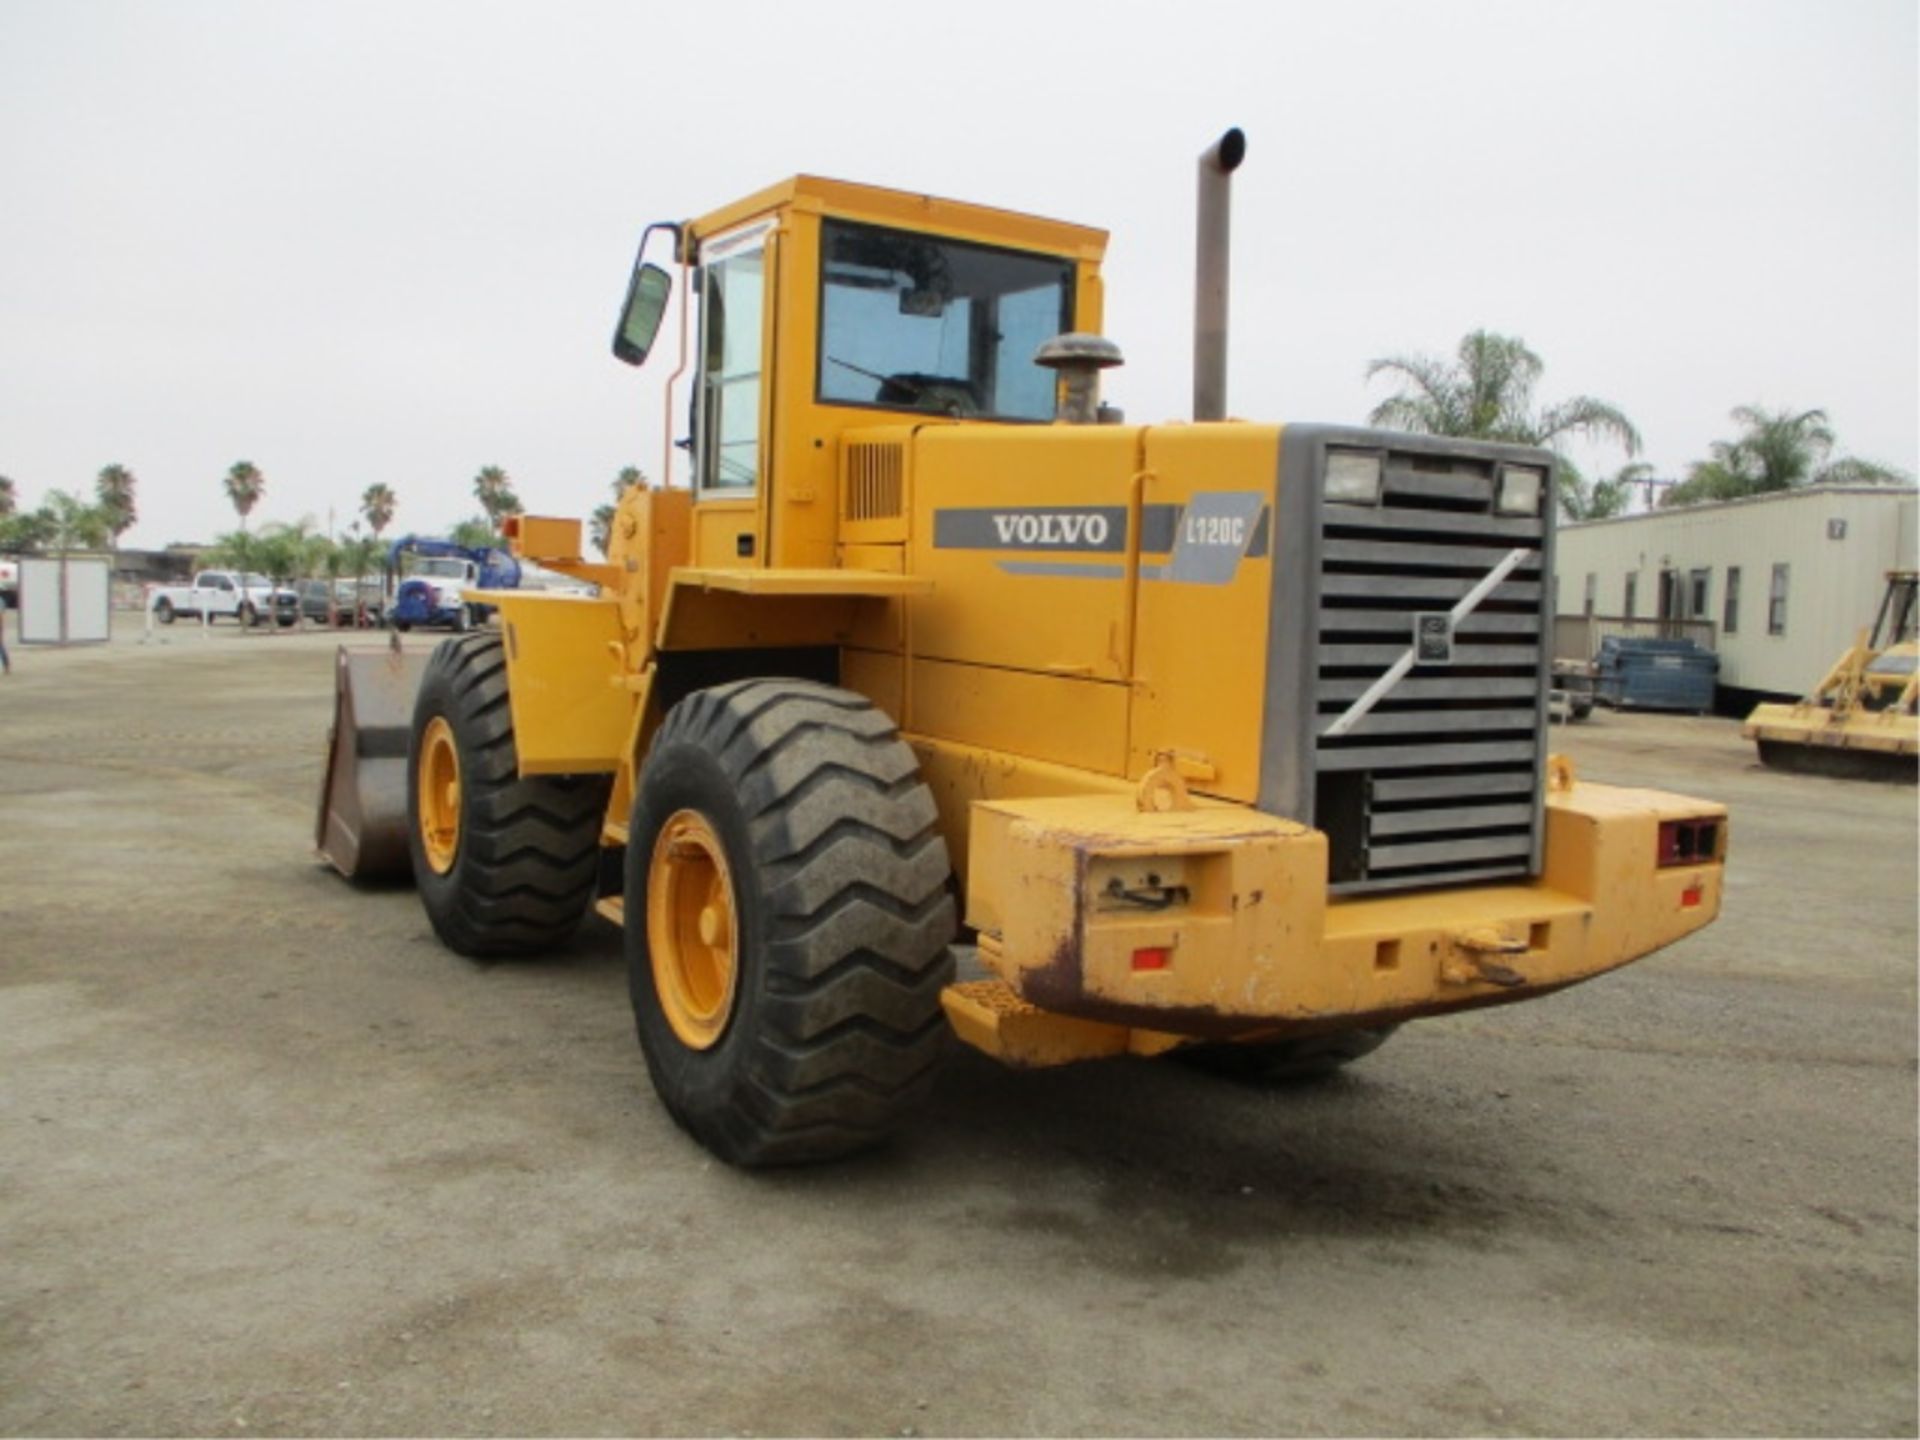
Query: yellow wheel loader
[1860, 721]
[1214, 737]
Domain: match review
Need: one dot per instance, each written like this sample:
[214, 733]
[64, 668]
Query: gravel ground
[272, 1161]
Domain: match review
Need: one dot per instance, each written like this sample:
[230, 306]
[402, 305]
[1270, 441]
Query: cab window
[913, 322]
[733, 299]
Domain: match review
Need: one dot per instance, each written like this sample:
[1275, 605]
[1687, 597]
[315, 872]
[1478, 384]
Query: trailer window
[1630, 601]
[1730, 613]
[1777, 602]
[1700, 582]
[913, 322]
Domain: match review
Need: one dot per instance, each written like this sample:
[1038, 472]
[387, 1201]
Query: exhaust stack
[1217, 164]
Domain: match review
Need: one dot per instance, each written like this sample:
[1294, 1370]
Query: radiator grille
[874, 489]
[1439, 783]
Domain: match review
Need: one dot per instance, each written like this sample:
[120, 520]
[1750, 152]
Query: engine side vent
[875, 480]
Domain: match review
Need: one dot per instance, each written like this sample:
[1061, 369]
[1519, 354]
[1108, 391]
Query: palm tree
[377, 504]
[280, 549]
[25, 531]
[1486, 393]
[72, 523]
[244, 485]
[236, 550]
[476, 533]
[356, 558]
[1776, 450]
[1601, 499]
[494, 491]
[601, 527]
[114, 487]
[1852, 470]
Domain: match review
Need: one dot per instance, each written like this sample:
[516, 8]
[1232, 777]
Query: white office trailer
[1777, 584]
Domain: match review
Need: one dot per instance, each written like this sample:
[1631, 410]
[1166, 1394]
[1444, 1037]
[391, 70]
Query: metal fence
[1578, 637]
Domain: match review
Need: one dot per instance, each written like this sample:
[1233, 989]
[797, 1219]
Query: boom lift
[1222, 737]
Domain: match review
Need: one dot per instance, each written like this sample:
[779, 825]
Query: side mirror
[640, 319]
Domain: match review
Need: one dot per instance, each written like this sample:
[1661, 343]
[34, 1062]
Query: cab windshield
[913, 322]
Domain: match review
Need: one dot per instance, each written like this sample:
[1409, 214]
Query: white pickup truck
[226, 595]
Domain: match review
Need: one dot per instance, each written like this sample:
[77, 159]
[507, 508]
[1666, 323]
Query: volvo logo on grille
[1433, 639]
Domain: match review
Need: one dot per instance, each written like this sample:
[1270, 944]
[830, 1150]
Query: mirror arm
[672, 227]
[666, 462]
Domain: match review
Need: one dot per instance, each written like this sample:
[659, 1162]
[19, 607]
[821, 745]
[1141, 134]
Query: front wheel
[788, 917]
[505, 864]
[462, 619]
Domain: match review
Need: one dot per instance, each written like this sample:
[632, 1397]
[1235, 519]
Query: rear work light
[1688, 842]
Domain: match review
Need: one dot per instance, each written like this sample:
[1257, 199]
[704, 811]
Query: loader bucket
[1860, 745]
[362, 829]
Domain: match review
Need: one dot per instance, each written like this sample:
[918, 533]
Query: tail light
[1688, 842]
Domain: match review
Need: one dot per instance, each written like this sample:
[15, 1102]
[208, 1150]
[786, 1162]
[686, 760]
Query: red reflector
[1154, 957]
[1691, 897]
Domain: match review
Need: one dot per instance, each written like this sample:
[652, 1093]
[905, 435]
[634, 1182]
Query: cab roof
[918, 212]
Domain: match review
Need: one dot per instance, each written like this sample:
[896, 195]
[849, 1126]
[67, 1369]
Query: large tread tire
[843, 915]
[525, 870]
[1301, 1060]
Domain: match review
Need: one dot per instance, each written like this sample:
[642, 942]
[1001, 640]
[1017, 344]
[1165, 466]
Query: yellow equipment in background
[1861, 718]
[1215, 737]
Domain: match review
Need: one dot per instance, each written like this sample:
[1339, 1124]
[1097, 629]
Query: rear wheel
[1294, 1061]
[163, 612]
[788, 914]
[505, 865]
[247, 615]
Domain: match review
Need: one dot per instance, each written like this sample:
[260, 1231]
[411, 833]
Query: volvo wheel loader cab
[1224, 737]
[1863, 719]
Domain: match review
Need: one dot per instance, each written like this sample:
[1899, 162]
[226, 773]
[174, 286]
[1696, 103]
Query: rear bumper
[1216, 921]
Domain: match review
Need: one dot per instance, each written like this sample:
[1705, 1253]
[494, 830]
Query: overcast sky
[357, 242]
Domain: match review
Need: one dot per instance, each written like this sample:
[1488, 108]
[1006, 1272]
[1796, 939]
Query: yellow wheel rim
[439, 795]
[692, 935]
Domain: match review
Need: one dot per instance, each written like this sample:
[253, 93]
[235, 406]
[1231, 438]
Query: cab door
[731, 456]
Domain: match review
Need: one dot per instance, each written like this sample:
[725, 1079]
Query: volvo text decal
[1089, 529]
[1208, 537]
